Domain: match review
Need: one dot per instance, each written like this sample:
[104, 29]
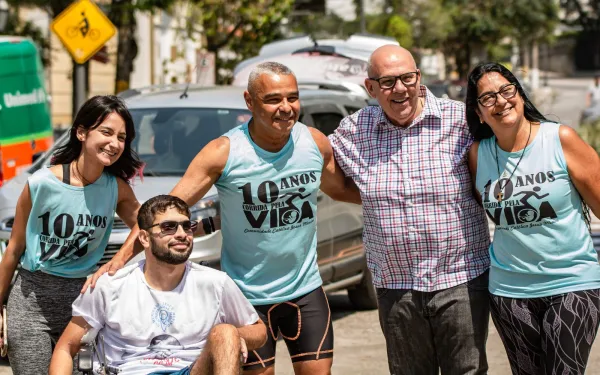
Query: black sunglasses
[170, 226]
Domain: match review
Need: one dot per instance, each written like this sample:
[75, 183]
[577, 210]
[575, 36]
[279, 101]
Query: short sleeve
[91, 305]
[342, 144]
[235, 308]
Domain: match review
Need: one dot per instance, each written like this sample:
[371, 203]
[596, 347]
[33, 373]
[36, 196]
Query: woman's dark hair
[482, 130]
[93, 112]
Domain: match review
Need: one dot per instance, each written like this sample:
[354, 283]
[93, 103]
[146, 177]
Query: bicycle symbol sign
[83, 29]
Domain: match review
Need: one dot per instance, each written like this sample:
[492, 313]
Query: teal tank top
[541, 246]
[69, 226]
[269, 216]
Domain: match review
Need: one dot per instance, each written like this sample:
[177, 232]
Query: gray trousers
[39, 309]
[429, 331]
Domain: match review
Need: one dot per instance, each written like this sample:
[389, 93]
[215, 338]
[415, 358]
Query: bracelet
[206, 226]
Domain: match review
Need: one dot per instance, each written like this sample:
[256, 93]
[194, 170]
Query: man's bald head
[389, 54]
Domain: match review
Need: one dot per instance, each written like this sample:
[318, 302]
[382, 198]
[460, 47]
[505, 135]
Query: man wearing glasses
[425, 236]
[164, 315]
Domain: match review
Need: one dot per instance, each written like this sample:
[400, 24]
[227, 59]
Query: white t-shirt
[147, 330]
[595, 92]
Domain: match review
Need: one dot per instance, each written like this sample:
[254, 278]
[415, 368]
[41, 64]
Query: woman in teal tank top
[533, 178]
[62, 223]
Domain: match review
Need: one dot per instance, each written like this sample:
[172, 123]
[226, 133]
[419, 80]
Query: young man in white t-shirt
[164, 315]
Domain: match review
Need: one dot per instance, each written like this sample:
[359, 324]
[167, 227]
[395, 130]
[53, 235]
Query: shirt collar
[431, 109]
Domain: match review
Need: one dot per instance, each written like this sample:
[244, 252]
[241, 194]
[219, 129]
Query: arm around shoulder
[333, 180]
[583, 165]
[203, 171]
[472, 162]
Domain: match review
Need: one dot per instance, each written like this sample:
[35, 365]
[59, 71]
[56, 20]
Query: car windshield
[167, 139]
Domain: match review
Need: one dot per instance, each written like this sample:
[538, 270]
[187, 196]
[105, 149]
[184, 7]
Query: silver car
[174, 122]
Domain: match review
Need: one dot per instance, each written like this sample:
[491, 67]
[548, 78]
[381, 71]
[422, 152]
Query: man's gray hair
[269, 67]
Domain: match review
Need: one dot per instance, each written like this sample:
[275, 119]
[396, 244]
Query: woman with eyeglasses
[62, 223]
[534, 178]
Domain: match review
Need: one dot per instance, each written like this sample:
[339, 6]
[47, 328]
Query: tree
[14, 26]
[584, 15]
[392, 25]
[122, 15]
[53, 8]
[428, 20]
[236, 29]
[479, 27]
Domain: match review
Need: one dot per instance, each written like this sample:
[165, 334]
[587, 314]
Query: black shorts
[304, 324]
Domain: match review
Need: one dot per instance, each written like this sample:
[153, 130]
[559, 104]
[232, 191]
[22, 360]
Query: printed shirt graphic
[69, 226]
[269, 207]
[541, 244]
[146, 330]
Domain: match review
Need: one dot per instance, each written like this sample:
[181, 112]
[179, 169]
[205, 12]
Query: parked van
[25, 123]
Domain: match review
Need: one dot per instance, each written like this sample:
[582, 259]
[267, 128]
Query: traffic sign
[83, 29]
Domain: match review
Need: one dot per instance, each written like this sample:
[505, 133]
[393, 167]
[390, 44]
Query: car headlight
[206, 207]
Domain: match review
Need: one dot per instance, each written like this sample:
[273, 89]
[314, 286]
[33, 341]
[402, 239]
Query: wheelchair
[89, 349]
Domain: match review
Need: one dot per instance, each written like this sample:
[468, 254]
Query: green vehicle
[25, 124]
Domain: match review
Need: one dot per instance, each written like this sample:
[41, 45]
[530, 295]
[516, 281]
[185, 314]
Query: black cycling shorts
[304, 324]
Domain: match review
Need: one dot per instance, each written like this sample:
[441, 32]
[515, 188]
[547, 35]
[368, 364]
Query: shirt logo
[277, 209]
[163, 316]
[524, 204]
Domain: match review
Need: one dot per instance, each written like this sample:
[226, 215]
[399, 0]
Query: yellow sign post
[83, 29]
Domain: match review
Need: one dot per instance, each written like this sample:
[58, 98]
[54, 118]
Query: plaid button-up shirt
[423, 229]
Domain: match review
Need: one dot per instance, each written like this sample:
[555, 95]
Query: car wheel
[364, 295]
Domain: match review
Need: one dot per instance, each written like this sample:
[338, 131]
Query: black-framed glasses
[170, 226]
[407, 79]
[489, 99]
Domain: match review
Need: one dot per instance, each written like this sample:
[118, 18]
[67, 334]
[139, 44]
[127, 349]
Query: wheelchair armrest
[85, 362]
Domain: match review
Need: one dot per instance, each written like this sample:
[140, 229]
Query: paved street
[563, 99]
[360, 347]
[359, 344]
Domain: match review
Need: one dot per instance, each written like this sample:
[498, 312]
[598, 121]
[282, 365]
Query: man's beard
[164, 254]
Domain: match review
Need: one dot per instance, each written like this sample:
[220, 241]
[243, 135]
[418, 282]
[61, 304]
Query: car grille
[109, 252]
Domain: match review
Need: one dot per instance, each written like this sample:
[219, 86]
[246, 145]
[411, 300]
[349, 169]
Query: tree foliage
[479, 27]
[236, 29]
[585, 16]
[27, 29]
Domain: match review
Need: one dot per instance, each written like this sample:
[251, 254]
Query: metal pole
[79, 95]
[363, 25]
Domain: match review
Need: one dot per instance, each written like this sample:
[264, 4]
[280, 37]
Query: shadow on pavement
[340, 305]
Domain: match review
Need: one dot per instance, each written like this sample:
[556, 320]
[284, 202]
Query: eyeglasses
[170, 227]
[489, 99]
[407, 79]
